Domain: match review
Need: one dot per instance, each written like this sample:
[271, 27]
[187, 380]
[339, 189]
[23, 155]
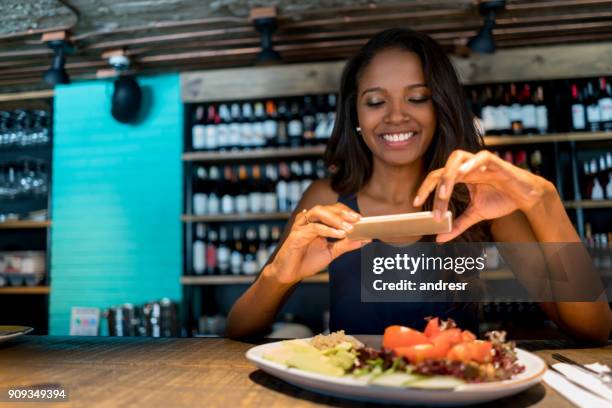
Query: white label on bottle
[213, 204]
[246, 135]
[227, 204]
[515, 112]
[295, 128]
[488, 118]
[255, 202]
[242, 204]
[259, 138]
[593, 114]
[235, 135]
[199, 258]
[281, 193]
[236, 262]
[270, 202]
[211, 137]
[222, 135]
[198, 136]
[528, 114]
[223, 258]
[502, 118]
[542, 118]
[605, 109]
[578, 120]
[199, 203]
[295, 192]
[270, 128]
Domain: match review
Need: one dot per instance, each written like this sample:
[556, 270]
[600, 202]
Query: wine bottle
[307, 175]
[295, 128]
[321, 120]
[199, 250]
[578, 110]
[308, 121]
[284, 116]
[228, 204]
[200, 198]
[282, 188]
[489, 112]
[331, 115]
[541, 111]
[223, 128]
[198, 131]
[211, 253]
[255, 190]
[597, 192]
[250, 255]
[528, 111]
[270, 204]
[609, 181]
[592, 109]
[262, 249]
[242, 187]
[535, 161]
[247, 136]
[259, 135]
[515, 112]
[212, 129]
[213, 201]
[271, 124]
[274, 239]
[235, 127]
[605, 104]
[295, 184]
[237, 255]
[223, 252]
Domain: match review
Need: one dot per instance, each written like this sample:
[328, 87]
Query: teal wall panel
[116, 199]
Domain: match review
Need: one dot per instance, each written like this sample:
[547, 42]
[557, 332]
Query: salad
[441, 356]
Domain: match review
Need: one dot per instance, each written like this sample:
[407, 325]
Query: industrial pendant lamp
[264, 20]
[483, 42]
[57, 73]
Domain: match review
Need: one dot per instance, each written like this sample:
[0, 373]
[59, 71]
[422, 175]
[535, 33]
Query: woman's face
[394, 107]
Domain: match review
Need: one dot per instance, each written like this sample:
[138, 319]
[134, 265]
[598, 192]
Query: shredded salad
[441, 356]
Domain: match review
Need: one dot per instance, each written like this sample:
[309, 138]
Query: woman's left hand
[496, 188]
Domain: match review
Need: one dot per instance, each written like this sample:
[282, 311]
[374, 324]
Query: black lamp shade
[483, 42]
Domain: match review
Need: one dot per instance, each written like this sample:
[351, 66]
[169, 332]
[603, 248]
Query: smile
[397, 137]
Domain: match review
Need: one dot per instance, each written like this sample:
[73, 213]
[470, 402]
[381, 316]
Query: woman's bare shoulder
[319, 192]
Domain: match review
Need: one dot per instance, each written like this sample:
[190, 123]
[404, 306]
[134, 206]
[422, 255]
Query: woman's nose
[397, 113]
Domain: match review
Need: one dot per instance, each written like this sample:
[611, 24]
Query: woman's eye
[419, 100]
[374, 103]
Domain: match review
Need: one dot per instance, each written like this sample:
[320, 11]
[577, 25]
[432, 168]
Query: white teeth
[398, 137]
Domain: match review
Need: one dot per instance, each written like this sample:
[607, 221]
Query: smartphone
[400, 225]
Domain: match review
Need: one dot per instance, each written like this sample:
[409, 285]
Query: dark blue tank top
[348, 313]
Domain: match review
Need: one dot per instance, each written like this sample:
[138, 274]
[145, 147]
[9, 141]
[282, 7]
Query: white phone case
[400, 225]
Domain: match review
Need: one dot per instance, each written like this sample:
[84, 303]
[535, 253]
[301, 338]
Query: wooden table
[194, 372]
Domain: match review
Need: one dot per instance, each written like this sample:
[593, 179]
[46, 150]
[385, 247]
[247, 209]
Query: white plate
[22, 330]
[357, 389]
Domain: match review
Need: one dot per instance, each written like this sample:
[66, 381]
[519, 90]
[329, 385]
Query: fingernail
[346, 226]
[437, 215]
[340, 232]
[442, 191]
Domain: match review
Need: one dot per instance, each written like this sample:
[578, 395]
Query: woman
[403, 139]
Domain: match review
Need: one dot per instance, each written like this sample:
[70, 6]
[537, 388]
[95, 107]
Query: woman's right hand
[306, 250]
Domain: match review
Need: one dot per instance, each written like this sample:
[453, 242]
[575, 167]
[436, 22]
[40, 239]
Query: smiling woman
[404, 141]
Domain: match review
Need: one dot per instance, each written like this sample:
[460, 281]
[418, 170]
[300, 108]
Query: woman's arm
[525, 208]
[548, 222]
[302, 251]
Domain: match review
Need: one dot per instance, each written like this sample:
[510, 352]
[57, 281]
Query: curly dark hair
[349, 156]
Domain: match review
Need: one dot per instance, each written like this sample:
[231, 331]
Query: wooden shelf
[22, 96]
[236, 217]
[265, 153]
[588, 204]
[240, 279]
[25, 290]
[24, 224]
[548, 138]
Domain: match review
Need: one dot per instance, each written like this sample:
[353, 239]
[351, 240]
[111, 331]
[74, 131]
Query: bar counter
[193, 372]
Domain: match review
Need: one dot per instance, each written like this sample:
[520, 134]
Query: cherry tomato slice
[400, 336]
[432, 328]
